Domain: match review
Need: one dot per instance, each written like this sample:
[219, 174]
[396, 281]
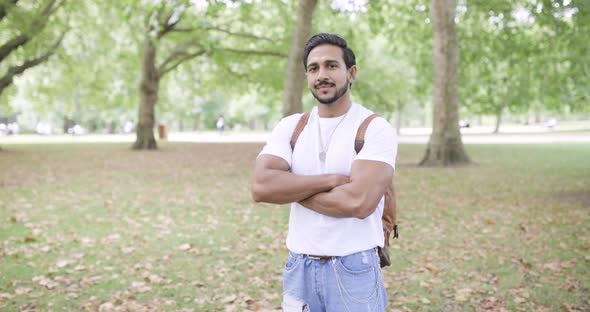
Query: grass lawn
[98, 226]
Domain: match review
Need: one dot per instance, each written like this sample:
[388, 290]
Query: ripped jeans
[343, 284]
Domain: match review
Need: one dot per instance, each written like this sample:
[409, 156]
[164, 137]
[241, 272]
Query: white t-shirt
[311, 232]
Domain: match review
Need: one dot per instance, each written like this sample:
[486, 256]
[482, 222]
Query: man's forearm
[343, 202]
[334, 203]
[281, 187]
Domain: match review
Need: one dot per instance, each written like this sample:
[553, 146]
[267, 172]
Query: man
[337, 196]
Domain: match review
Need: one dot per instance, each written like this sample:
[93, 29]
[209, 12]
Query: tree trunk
[197, 122]
[149, 85]
[112, 127]
[398, 116]
[66, 124]
[537, 115]
[498, 120]
[295, 74]
[445, 146]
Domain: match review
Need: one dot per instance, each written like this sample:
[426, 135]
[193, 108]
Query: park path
[406, 136]
[531, 138]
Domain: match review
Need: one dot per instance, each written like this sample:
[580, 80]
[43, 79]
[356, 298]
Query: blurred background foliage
[521, 61]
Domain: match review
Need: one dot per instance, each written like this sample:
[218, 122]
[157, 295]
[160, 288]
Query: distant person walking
[220, 125]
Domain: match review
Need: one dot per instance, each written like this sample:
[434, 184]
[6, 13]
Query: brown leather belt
[323, 259]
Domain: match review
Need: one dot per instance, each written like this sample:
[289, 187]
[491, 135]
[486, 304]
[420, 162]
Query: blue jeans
[343, 284]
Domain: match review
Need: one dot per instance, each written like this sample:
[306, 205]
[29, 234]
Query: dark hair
[332, 39]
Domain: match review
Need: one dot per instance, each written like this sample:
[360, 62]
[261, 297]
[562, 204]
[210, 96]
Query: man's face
[327, 76]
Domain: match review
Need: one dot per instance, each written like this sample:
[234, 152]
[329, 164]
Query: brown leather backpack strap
[359, 140]
[298, 129]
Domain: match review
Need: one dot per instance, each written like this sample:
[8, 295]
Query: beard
[336, 96]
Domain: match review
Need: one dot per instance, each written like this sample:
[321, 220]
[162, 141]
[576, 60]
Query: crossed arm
[333, 195]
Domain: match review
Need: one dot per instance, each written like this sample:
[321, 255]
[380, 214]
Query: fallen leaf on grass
[568, 308]
[105, 307]
[553, 266]
[127, 250]
[198, 283]
[30, 239]
[432, 267]
[87, 281]
[230, 299]
[185, 247]
[154, 279]
[463, 294]
[22, 290]
[48, 283]
[490, 303]
[525, 264]
[569, 264]
[140, 287]
[72, 296]
[64, 262]
[519, 300]
[170, 302]
[251, 304]
[112, 238]
[80, 268]
[6, 296]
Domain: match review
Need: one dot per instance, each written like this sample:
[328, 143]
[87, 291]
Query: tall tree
[161, 22]
[445, 146]
[295, 74]
[25, 25]
[403, 88]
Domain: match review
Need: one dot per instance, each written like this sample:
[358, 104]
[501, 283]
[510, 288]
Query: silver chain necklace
[324, 148]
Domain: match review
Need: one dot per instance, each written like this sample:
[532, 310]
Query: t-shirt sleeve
[380, 142]
[279, 142]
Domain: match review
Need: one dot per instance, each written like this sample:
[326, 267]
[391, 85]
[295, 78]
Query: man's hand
[338, 180]
[273, 183]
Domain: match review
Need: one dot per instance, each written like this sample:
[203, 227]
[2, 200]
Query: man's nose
[322, 74]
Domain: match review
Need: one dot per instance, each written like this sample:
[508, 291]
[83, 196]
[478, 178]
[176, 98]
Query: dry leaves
[115, 230]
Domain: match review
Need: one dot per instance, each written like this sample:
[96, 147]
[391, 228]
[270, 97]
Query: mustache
[323, 83]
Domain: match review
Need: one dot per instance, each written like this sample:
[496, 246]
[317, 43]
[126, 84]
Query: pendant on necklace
[322, 156]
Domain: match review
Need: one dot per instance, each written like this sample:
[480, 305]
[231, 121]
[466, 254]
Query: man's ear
[352, 73]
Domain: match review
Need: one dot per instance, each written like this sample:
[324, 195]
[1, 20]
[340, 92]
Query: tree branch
[48, 8]
[238, 34]
[39, 24]
[51, 11]
[8, 78]
[11, 45]
[180, 50]
[229, 32]
[255, 52]
[4, 7]
[164, 70]
[237, 74]
[167, 25]
[184, 29]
